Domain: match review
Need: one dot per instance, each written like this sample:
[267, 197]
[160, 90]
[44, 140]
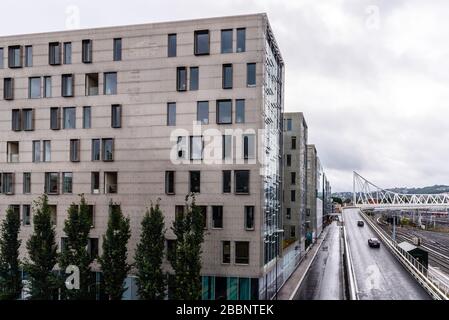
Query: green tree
[10, 273]
[77, 228]
[42, 252]
[149, 255]
[113, 260]
[188, 228]
[337, 200]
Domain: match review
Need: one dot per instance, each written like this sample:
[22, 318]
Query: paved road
[323, 281]
[378, 274]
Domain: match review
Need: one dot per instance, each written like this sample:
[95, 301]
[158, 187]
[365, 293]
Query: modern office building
[312, 193]
[128, 114]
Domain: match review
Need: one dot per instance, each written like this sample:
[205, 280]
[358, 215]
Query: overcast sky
[372, 77]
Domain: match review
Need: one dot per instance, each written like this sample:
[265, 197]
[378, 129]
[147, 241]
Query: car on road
[360, 223]
[374, 243]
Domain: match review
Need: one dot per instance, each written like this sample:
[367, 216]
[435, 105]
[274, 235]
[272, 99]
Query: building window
[227, 181]
[108, 149]
[95, 182]
[69, 118]
[1, 58]
[251, 74]
[203, 211]
[171, 114]
[34, 87]
[171, 249]
[116, 116]
[194, 78]
[91, 84]
[217, 217]
[15, 209]
[53, 214]
[47, 151]
[28, 119]
[226, 41]
[55, 118]
[171, 44]
[75, 150]
[110, 182]
[241, 40]
[224, 111]
[47, 87]
[26, 182]
[201, 42]
[226, 252]
[169, 182]
[293, 143]
[91, 214]
[292, 231]
[117, 49]
[87, 51]
[15, 56]
[28, 56]
[16, 124]
[8, 88]
[36, 151]
[242, 252]
[241, 181]
[202, 112]
[26, 215]
[181, 78]
[96, 150]
[196, 148]
[249, 146]
[293, 177]
[249, 217]
[8, 183]
[51, 182]
[179, 212]
[182, 147]
[288, 214]
[92, 248]
[12, 151]
[67, 53]
[195, 181]
[110, 83]
[292, 195]
[289, 160]
[54, 53]
[227, 76]
[67, 182]
[86, 117]
[240, 111]
[67, 85]
[227, 147]
[289, 125]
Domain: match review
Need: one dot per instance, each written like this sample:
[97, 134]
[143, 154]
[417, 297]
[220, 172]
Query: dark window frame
[196, 45]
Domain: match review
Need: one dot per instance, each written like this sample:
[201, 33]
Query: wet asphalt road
[379, 275]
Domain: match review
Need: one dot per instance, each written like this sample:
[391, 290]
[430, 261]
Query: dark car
[360, 223]
[374, 243]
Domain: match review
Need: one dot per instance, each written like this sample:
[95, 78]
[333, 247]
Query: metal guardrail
[435, 288]
[352, 283]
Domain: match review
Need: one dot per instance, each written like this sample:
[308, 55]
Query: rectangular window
[91, 214]
[1, 58]
[52, 182]
[95, 182]
[36, 151]
[171, 114]
[195, 181]
[293, 177]
[179, 212]
[240, 111]
[117, 49]
[289, 125]
[116, 116]
[91, 84]
[110, 182]
[54, 53]
[293, 143]
[182, 147]
[55, 118]
[202, 112]
[34, 87]
[67, 53]
[289, 160]
[108, 149]
[67, 87]
[241, 40]
[227, 147]
[292, 195]
[196, 148]
[92, 248]
[226, 252]
[224, 111]
[87, 51]
[96, 147]
[16, 124]
[8, 183]
[288, 214]
[69, 121]
[8, 88]
[28, 119]
[249, 146]
[242, 252]
[86, 117]
[227, 181]
[75, 150]
[26, 182]
[47, 151]
[28, 56]
[12, 151]
[201, 43]
[226, 41]
[181, 78]
[169, 182]
[15, 56]
[227, 76]
[217, 217]
[251, 74]
[67, 182]
[171, 51]
[249, 217]
[110, 83]
[15, 209]
[26, 215]
[292, 231]
[241, 181]
[47, 87]
[194, 78]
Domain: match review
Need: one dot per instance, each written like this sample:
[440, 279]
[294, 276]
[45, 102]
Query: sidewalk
[291, 286]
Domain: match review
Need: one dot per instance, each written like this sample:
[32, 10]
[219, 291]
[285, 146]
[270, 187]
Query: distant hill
[436, 189]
